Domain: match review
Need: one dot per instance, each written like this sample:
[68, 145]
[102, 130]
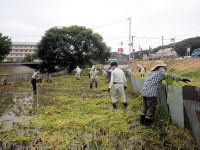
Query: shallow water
[16, 111]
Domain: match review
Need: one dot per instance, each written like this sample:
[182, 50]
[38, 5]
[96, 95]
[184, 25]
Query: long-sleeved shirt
[117, 76]
[35, 75]
[93, 74]
[78, 70]
[154, 81]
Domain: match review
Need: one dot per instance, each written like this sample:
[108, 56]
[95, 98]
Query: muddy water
[15, 111]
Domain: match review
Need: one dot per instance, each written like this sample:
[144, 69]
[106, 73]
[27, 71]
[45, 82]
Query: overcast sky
[27, 20]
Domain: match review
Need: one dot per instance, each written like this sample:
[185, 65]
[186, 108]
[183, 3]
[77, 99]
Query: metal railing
[181, 103]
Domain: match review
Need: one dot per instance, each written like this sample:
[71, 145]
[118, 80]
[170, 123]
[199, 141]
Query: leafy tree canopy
[74, 45]
[5, 46]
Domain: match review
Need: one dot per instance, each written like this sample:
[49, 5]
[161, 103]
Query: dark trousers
[33, 82]
[149, 106]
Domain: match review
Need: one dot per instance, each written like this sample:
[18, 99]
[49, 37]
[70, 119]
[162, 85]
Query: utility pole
[121, 43]
[130, 44]
[162, 46]
[132, 49]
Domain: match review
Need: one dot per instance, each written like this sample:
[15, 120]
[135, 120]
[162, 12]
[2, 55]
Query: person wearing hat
[78, 73]
[117, 85]
[141, 70]
[34, 79]
[150, 90]
[93, 77]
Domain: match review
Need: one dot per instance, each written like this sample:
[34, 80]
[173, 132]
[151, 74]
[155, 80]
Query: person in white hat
[150, 90]
[93, 77]
[78, 73]
[141, 70]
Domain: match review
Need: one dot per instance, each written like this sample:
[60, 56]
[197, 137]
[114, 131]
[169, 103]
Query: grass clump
[67, 114]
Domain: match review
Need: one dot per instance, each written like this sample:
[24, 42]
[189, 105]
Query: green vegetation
[5, 46]
[180, 47]
[67, 114]
[72, 46]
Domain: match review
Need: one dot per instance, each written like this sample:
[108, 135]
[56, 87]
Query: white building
[20, 50]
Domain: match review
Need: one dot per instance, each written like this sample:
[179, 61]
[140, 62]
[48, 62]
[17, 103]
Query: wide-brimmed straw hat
[158, 63]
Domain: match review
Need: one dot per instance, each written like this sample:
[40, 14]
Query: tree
[74, 45]
[5, 46]
[30, 57]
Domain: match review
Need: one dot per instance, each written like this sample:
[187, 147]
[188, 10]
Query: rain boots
[96, 85]
[35, 92]
[142, 119]
[145, 121]
[90, 85]
[114, 105]
[125, 104]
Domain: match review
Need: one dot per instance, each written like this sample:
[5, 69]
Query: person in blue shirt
[150, 90]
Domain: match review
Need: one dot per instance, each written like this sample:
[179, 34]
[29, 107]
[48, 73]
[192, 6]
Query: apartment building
[20, 50]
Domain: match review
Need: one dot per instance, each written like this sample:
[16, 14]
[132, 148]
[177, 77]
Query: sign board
[120, 50]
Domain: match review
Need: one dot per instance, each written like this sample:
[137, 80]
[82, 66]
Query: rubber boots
[96, 85]
[142, 119]
[90, 85]
[147, 122]
[114, 105]
[125, 104]
[35, 92]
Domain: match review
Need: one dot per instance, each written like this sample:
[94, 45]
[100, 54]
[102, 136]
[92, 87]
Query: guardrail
[181, 103]
[15, 78]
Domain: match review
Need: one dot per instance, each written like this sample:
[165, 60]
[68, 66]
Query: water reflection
[16, 112]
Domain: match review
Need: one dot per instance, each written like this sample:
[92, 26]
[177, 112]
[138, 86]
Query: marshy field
[67, 114]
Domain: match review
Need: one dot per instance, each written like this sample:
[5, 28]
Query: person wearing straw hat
[150, 90]
[93, 77]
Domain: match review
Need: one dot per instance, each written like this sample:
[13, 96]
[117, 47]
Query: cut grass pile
[67, 114]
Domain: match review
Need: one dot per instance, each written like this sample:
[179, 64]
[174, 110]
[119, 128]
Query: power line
[109, 24]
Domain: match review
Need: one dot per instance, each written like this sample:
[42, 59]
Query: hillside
[189, 68]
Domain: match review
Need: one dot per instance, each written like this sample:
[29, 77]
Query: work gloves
[186, 80]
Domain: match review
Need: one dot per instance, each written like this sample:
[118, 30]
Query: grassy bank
[187, 68]
[66, 114]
